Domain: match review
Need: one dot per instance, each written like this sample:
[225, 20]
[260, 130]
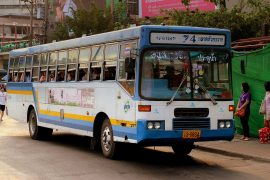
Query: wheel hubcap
[33, 124]
[106, 139]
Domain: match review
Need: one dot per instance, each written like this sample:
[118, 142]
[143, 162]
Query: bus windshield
[203, 74]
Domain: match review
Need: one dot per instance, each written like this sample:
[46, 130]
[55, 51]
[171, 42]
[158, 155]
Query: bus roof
[124, 34]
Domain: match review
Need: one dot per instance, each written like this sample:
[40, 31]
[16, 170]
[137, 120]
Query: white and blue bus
[148, 85]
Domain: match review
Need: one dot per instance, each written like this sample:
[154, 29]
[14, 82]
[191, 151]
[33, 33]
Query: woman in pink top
[267, 104]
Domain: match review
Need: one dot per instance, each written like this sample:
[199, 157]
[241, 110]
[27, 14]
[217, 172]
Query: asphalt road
[67, 156]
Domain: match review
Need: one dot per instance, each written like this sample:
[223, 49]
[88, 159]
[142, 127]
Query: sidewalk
[251, 149]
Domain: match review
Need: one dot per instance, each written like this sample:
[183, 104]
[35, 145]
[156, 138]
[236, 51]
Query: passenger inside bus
[61, 75]
[52, 76]
[95, 73]
[110, 73]
[71, 76]
[27, 79]
[82, 75]
[15, 77]
[43, 76]
[21, 75]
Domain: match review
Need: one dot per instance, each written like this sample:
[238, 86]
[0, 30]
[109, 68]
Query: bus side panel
[125, 129]
[74, 106]
[19, 98]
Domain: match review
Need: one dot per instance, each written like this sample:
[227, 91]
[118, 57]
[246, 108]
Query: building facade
[15, 26]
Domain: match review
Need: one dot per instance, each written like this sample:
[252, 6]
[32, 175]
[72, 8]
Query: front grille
[191, 123]
[191, 112]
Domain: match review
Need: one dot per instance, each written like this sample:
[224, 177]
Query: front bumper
[167, 138]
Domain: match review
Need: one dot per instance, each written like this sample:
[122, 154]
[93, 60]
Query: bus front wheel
[108, 145]
[183, 149]
[37, 132]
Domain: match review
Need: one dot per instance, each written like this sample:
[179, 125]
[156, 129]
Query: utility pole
[46, 20]
[31, 10]
[31, 22]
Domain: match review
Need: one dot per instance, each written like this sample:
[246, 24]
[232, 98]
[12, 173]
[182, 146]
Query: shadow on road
[129, 152]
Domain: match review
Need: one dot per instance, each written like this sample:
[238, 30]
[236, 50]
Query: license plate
[191, 134]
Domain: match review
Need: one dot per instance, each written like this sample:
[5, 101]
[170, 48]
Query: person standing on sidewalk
[244, 103]
[3, 99]
[267, 104]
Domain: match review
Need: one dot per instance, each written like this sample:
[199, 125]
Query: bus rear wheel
[108, 146]
[183, 149]
[37, 132]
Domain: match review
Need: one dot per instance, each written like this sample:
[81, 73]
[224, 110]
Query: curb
[231, 154]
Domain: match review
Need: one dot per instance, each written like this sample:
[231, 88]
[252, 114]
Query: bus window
[83, 72]
[84, 55]
[27, 75]
[111, 55]
[21, 76]
[10, 75]
[35, 71]
[16, 63]
[125, 49]
[73, 56]
[60, 75]
[21, 69]
[84, 58]
[52, 58]
[62, 57]
[95, 73]
[43, 59]
[71, 72]
[97, 53]
[11, 63]
[28, 62]
[21, 62]
[43, 76]
[111, 52]
[11, 67]
[36, 59]
[126, 70]
[43, 73]
[126, 75]
[51, 74]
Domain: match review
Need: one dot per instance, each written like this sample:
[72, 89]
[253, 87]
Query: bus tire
[108, 146]
[183, 149]
[37, 132]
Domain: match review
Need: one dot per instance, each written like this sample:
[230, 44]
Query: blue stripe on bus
[88, 126]
[19, 86]
[121, 131]
[65, 124]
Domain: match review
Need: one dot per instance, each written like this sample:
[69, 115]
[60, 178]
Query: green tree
[60, 33]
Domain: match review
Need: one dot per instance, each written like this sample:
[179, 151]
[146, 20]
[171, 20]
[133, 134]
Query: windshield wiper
[171, 100]
[207, 92]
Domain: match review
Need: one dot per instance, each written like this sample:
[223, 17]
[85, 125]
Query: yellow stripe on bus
[19, 92]
[87, 118]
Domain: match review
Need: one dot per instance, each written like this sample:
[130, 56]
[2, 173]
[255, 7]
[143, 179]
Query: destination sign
[188, 39]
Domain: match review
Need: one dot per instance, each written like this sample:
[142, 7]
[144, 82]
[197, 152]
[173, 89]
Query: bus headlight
[150, 125]
[228, 124]
[224, 124]
[221, 124]
[157, 125]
